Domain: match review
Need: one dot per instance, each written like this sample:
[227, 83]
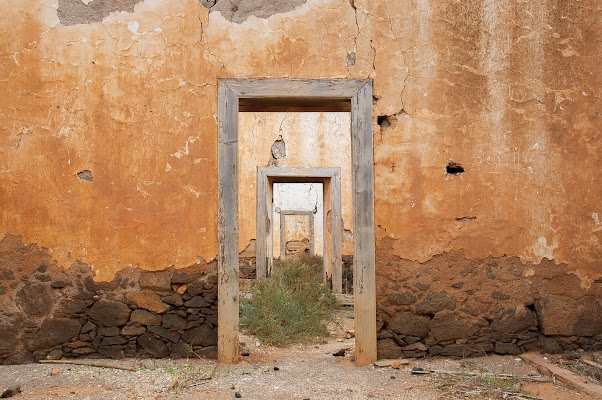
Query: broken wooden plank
[563, 375]
[592, 364]
[88, 364]
[389, 362]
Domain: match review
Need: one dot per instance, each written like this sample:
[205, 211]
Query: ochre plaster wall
[310, 139]
[509, 90]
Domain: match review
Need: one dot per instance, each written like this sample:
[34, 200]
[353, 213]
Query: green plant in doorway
[291, 306]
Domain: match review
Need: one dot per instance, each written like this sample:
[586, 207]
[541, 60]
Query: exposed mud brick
[153, 346]
[450, 326]
[387, 348]
[202, 335]
[35, 299]
[173, 321]
[145, 317]
[435, 302]
[56, 331]
[110, 313]
[147, 300]
[561, 315]
[409, 324]
[160, 280]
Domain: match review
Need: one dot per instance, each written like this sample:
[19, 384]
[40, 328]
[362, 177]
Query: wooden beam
[227, 222]
[337, 233]
[295, 88]
[261, 233]
[364, 281]
[293, 104]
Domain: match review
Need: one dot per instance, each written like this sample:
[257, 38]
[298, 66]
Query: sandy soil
[298, 372]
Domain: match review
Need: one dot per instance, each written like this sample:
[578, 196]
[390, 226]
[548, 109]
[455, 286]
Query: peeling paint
[238, 11]
[74, 12]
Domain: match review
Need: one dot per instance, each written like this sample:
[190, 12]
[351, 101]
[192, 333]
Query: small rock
[237, 395]
[55, 372]
[276, 369]
[10, 392]
[339, 340]
[396, 364]
[340, 353]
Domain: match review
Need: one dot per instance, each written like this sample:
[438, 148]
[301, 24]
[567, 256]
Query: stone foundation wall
[453, 306]
[246, 267]
[52, 313]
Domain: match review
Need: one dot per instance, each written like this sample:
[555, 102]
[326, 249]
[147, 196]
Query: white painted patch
[596, 219]
[133, 26]
[543, 250]
[195, 192]
[167, 167]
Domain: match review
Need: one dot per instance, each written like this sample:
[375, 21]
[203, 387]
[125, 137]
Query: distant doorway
[354, 96]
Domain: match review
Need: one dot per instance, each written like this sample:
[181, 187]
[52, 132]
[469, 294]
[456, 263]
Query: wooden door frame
[330, 178]
[355, 95]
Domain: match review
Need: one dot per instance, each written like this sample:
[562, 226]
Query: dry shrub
[291, 306]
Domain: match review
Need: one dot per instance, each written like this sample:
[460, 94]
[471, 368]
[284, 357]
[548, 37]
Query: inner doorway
[354, 96]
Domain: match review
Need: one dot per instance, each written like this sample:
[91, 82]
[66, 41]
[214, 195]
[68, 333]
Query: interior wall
[291, 139]
[300, 197]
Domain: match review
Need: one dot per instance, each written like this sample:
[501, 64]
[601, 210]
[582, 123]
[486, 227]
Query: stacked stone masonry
[453, 306]
[52, 313]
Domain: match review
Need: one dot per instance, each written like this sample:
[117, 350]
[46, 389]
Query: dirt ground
[299, 372]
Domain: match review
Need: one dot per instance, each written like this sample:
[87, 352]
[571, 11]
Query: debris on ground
[10, 392]
[340, 353]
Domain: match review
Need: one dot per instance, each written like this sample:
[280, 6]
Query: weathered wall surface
[108, 145]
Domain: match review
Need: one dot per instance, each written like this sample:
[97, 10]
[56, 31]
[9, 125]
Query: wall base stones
[48, 312]
[453, 306]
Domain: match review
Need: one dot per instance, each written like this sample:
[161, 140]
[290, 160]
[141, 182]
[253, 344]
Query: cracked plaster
[509, 90]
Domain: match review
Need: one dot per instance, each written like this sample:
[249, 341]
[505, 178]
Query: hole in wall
[85, 175]
[453, 168]
[383, 121]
